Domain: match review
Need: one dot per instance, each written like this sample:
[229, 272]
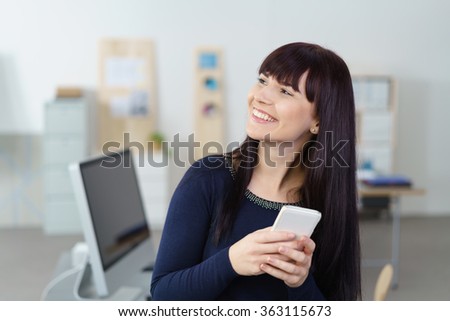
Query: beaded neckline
[271, 205]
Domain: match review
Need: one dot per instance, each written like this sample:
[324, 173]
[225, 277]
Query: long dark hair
[329, 160]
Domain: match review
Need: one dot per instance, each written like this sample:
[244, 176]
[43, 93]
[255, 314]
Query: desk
[394, 193]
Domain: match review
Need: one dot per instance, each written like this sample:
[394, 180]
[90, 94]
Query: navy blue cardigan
[190, 266]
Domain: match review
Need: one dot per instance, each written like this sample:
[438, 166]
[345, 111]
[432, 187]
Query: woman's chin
[257, 133]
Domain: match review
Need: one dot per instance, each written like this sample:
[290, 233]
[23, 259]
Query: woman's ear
[315, 128]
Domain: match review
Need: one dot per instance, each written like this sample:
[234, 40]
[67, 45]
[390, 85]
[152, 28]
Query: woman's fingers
[290, 273]
[268, 236]
[309, 244]
[305, 245]
[277, 257]
[295, 255]
[248, 254]
[293, 265]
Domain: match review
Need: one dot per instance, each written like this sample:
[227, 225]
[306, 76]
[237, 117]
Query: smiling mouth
[263, 116]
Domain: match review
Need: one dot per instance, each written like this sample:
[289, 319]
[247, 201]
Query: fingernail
[291, 235]
[282, 249]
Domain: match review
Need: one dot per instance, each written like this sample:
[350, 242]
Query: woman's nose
[264, 95]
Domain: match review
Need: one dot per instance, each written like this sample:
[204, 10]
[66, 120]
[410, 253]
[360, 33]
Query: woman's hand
[249, 254]
[294, 270]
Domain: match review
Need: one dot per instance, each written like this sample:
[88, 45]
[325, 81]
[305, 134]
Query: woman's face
[279, 113]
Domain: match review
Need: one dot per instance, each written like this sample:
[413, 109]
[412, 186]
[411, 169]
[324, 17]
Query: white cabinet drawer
[66, 117]
[61, 217]
[57, 181]
[65, 140]
[63, 150]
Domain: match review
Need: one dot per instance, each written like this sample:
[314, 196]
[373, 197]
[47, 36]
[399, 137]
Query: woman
[300, 150]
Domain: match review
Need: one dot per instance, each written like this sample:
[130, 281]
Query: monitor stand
[74, 284]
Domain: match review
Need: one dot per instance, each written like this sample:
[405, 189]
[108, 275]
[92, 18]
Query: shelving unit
[65, 140]
[209, 107]
[376, 109]
[127, 95]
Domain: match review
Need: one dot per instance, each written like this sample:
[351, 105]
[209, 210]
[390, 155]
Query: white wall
[49, 42]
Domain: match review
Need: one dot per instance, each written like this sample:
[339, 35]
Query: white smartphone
[296, 219]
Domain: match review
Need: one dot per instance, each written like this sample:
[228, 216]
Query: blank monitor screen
[115, 205]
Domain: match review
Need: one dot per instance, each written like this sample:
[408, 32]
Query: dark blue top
[190, 266]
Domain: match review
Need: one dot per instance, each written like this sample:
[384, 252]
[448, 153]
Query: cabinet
[376, 108]
[65, 140]
[153, 178]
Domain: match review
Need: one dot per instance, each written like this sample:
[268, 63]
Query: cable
[74, 270]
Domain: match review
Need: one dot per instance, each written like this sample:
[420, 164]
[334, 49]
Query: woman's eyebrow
[290, 85]
[286, 83]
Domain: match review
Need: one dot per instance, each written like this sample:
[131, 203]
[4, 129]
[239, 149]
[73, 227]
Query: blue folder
[391, 180]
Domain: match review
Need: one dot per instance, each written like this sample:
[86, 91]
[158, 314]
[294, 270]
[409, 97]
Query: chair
[383, 282]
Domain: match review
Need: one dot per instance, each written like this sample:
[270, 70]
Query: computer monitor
[113, 219]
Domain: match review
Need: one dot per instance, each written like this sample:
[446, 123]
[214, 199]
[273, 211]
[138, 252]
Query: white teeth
[262, 116]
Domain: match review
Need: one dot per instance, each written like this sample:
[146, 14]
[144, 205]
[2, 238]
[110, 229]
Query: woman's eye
[285, 92]
[261, 81]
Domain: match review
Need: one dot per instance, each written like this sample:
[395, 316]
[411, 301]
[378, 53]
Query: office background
[47, 43]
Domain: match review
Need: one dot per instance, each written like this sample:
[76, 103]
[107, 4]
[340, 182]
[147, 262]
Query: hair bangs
[287, 67]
